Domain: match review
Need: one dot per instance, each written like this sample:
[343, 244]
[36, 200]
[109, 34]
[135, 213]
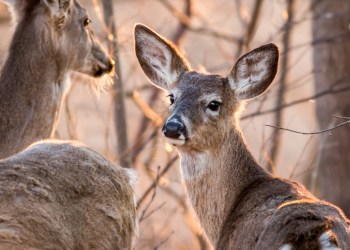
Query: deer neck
[215, 180]
[32, 85]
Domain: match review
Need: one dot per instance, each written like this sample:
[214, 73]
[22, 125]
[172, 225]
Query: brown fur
[33, 79]
[61, 195]
[239, 205]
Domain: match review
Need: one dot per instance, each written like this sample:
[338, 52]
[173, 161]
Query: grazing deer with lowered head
[52, 38]
[238, 204]
[62, 195]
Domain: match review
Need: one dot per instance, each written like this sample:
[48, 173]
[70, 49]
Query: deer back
[62, 195]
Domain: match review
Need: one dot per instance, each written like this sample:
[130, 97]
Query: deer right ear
[159, 59]
[254, 72]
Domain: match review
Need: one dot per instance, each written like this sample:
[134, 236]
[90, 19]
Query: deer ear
[254, 72]
[59, 10]
[159, 59]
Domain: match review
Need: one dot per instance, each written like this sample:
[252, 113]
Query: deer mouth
[175, 142]
[102, 69]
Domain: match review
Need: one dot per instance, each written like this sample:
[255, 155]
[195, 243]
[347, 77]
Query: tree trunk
[331, 39]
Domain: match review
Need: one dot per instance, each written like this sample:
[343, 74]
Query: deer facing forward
[52, 38]
[238, 204]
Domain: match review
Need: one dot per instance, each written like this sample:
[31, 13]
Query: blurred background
[309, 95]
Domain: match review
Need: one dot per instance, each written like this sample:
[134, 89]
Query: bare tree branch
[331, 90]
[155, 182]
[163, 241]
[276, 137]
[119, 105]
[248, 36]
[312, 133]
[185, 20]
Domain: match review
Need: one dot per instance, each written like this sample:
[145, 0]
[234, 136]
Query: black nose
[173, 129]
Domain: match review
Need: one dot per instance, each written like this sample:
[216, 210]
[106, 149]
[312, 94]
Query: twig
[145, 216]
[142, 217]
[276, 137]
[329, 91]
[147, 111]
[141, 144]
[200, 30]
[312, 133]
[155, 182]
[163, 241]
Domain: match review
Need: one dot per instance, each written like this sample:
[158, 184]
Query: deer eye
[87, 21]
[214, 106]
[171, 99]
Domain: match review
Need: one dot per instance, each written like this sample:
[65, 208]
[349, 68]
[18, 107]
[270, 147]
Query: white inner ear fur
[159, 56]
[249, 76]
[325, 241]
[286, 247]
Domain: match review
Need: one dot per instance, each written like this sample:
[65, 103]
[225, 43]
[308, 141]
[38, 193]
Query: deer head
[64, 25]
[202, 104]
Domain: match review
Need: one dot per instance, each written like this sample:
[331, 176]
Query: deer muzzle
[174, 131]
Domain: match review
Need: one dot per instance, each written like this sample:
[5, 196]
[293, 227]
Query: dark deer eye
[87, 21]
[214, 106]
[171, 99]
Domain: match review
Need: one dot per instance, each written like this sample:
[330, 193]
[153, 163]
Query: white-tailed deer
[239, 205]
[62, 195]
[52, 38]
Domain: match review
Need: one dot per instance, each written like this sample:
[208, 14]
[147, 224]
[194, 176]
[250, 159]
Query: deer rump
[60, 195]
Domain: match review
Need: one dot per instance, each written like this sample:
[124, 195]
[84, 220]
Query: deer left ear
[254, 72]
[160, 60]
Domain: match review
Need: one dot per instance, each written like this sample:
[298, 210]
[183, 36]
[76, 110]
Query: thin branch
[155, 182]
[143, 213]
[163, 241]
[328, 91]
[146, 216]
[200, 30]
[312, 133]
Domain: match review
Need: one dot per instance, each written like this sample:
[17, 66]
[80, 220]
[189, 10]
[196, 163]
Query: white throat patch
[193, 165]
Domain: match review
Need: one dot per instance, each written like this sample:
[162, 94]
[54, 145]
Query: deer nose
[173, 129]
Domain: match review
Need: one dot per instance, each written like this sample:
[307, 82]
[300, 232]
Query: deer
[63, 195]
[52, 39]
[238, 204]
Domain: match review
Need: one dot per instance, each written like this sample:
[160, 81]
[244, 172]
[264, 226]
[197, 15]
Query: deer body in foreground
[238, 204]
[61, 195]
[51, 39]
